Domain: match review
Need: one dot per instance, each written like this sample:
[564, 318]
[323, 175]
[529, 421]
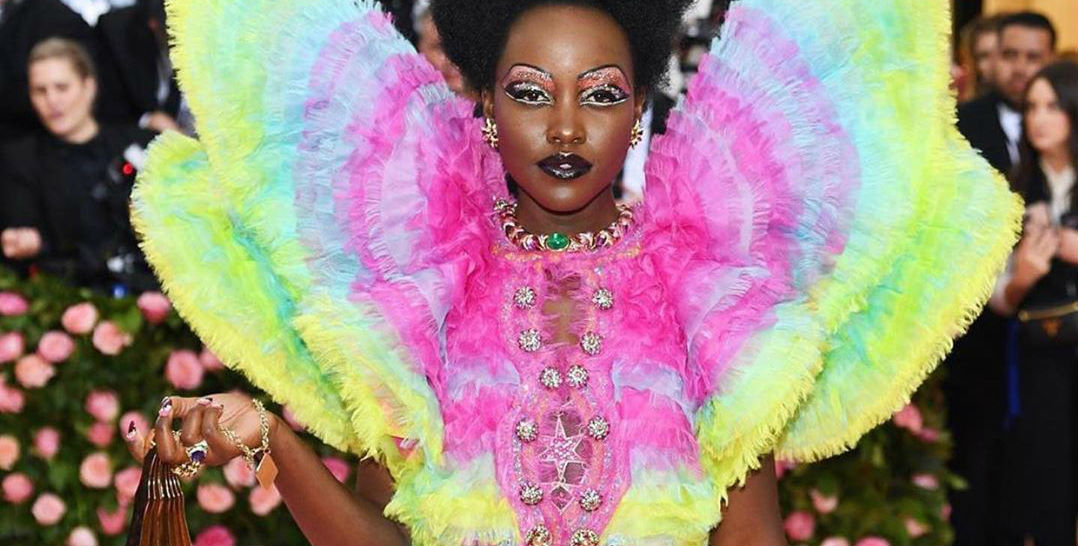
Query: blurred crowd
[86, 84]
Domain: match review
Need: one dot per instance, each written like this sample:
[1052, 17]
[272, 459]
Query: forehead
[51, 69]
[566, 41]
[1041, 90]
[1023, 37]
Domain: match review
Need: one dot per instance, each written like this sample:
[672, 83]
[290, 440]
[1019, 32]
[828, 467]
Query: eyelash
[601, 95]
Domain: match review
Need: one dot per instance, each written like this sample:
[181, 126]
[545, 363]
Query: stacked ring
[196, 454]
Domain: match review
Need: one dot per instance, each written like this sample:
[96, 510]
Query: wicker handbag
[158, 517]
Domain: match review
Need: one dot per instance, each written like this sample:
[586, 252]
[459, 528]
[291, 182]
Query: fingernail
[205, 401]
[131, 430]
[219, 406]
[166, 410]
[166, 402]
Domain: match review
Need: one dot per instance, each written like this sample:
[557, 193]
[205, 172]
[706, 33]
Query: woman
[1043, 439]
[65, 188]
[545, 367]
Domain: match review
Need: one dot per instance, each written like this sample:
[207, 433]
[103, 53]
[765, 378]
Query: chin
[561, 196]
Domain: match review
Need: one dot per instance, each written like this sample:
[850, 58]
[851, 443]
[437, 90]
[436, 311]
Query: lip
[565, 166]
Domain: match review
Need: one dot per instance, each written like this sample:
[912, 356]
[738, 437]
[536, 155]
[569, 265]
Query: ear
[486, 98]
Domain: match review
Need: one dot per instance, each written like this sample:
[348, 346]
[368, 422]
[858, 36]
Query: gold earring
[637, 135]
[490, 133]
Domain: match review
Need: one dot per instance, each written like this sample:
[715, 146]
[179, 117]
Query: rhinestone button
[530, 341]
[527, 430]
[538, 536]
[577, 376]
[550, 378]
[590, 500]
[603, 299]
[530, 494]
[598, 428]
[591, 343]
[584, 537]
[524, 297]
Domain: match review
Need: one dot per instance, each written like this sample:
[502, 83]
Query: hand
[1033, 257]
[202, 419]
[160, 122]
[21, 243]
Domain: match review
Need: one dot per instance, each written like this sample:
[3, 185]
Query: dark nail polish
[131, 427]
[166, 402]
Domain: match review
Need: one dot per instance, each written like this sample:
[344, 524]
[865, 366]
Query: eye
[528, 93]
[603, 95]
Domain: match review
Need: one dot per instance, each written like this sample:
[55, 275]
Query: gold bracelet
[264, 467]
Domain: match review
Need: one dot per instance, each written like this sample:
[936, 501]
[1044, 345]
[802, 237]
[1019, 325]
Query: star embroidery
[560, 449]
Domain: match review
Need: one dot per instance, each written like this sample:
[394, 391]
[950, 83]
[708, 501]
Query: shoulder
[977, 109]
[119, 137]
[17, 156]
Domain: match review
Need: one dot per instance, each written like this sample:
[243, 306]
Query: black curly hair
[474, 32]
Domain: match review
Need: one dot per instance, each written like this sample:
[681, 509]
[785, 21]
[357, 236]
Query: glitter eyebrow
[608, 74]
[532, 74]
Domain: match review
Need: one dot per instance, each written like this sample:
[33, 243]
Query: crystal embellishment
[603, 299]
[530, 494]
[527, 431]
[538, 536]
[550, 378]
[598, 428]
[577, 376]
[530, 341]
[524, 297]
[591, 343]
[590, 500]
[584, 537]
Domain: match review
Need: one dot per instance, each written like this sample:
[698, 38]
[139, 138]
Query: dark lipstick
[565, 166]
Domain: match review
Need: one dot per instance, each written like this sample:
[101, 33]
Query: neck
[83, 133]
[1057, 160]
[596, 215]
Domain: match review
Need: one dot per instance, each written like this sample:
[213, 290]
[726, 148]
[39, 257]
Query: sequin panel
[603, 299]
[530, 341]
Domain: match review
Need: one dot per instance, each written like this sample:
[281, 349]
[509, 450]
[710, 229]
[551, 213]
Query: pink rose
[215, 535]
[48, 509]
[11, 400]
[209, 361]
[47, 442]
[926, 481]
[184, 370]
[154, 306]
[55, 346]
[33, 372]
[929, 435]
[291, 419]
[12, 346]
[112, 523]
[12, 304]
[110, 339]
[9, 452]
[238, 474]
[264, 500]
[835, 541]
[781, 467]
[126, 483]
[909, 418]
[800, 525]
[915, 528]
[141, 424]
[100, 434]
[945, 511]
[337, 467]
[824, 504]
[17, 488]
[79, 319]
[215, 498]
[96, 471]
[872, 541]
[81, 536]
[103, 405]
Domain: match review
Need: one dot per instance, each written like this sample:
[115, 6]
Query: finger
[168, 449]
[221, 448]
[191, 429]
[135, 442]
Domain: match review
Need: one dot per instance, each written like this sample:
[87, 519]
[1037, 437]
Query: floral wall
[76, 368]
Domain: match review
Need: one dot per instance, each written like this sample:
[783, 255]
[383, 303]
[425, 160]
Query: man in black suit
[976, 386]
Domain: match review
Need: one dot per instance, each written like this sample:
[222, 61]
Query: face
[985, 54]
[430, 45]
[62, 98]
[565, 105]
[1023, 52]
[1047, 125]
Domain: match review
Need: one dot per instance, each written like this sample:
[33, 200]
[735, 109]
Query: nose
[565, 126]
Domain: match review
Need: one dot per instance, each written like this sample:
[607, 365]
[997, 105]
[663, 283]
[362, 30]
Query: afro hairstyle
[474, 32]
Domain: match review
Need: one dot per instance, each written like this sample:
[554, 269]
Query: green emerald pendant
[557, 241]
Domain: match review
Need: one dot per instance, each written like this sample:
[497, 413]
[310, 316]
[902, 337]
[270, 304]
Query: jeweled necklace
[560, 242]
